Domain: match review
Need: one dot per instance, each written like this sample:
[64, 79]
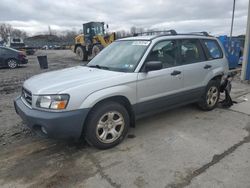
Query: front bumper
[65, 125]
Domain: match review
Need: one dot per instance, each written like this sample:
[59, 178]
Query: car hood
[58, 81]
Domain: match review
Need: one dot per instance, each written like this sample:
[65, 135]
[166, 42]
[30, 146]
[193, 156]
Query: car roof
[178, 36]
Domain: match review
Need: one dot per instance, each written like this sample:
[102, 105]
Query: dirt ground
[184, 147]
[11, 83]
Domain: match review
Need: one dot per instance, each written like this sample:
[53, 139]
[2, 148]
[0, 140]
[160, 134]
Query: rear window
[191, 51]
[213, 49]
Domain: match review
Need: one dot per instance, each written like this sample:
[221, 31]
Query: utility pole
[245, 71]
[50, 31]
[232, 23]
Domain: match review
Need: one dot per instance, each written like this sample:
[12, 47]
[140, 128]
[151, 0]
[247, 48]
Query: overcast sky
[183, 15]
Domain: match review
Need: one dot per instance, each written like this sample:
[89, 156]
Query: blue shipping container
[232, 50]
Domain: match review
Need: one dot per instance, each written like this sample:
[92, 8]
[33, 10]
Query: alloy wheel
[12, 64]
[110, 127]
[212, 96]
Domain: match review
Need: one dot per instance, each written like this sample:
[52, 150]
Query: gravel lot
[184, 147]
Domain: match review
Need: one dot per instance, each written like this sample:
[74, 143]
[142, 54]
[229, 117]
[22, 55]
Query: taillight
[21, 56]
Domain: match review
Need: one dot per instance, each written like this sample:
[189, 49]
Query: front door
[159, 89]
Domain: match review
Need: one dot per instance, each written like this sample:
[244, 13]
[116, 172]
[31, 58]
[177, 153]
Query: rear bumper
[23, 61]
[59, 125]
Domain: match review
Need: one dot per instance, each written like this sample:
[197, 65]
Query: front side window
[93, 30]
[191, 51]
[213, 49]
[99, 30]
[88, 31]
[166, 52]
[122, 56]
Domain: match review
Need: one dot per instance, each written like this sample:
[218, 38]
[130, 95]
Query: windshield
[120, 56]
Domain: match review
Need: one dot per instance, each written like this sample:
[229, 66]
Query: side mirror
[153, 65]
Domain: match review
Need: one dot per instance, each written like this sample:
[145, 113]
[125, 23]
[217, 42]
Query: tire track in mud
[11, 85]
[15, 134]
[51, 164]
[101, 171]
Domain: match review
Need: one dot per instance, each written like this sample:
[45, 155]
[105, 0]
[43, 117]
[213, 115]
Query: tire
[102, 129]
[96, 50]
[81, 53]
[12, 63]
[210, 98]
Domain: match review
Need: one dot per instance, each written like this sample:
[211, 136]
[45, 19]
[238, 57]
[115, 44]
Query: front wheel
[211, 96]
[107, 125]
[96, 50]
[81, 53]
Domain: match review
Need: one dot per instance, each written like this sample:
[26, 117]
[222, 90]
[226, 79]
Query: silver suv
[129, 79]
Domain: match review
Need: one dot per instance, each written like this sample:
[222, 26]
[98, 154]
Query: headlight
[56, 102]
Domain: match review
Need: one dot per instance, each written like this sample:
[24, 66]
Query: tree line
[7, 30]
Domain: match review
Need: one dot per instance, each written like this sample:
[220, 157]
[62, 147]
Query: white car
[129, 79]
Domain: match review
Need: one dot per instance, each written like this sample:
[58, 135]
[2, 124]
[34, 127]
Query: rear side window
[213, 49]
[191, 51]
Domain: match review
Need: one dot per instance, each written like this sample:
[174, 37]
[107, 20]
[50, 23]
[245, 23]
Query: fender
[128, 91]
[217, 71]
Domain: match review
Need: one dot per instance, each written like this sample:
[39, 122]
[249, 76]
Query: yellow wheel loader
[92, 41]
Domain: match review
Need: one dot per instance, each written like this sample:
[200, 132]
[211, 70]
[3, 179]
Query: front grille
[27, 96]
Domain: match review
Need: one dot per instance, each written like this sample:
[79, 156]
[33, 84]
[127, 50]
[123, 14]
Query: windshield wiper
[98, 67]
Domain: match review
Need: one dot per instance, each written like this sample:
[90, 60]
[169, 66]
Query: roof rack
[202, 33]
[165, 32]
[169, 33]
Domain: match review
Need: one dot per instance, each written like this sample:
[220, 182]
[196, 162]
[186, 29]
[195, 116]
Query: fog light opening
[40, 131]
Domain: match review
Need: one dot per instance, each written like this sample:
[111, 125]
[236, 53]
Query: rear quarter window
[213, 49]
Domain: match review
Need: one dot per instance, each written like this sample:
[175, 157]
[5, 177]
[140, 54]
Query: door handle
[207, 66]
[174, 73]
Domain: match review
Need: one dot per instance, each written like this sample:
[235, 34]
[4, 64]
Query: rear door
[195, 67]
[214, 53]
[159, 89]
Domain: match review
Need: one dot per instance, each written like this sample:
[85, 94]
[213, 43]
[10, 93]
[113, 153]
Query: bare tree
[68, 36]
[122, 34]
[133, 30]
[5, 31]
[18, 34]
[140, 30]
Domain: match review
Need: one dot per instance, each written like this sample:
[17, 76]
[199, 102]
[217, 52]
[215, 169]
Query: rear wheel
[211, 96]
[107, 125]
[12, 63]
[81, 53]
